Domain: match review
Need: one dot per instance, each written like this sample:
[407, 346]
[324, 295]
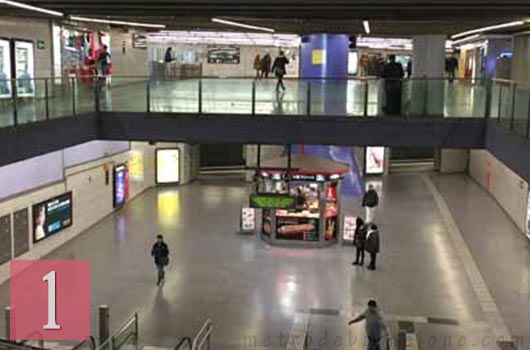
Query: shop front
[300, 204]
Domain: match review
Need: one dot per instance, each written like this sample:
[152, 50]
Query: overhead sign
[272, 201]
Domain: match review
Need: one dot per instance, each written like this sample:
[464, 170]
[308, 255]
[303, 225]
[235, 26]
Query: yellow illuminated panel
[318, 57]
[167, 166]
[136, 165]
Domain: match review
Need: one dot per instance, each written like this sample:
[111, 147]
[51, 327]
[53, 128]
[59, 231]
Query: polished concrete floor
[253, 291]
[234, 96]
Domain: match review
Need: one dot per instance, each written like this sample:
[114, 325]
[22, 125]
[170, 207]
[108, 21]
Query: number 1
[52, 324]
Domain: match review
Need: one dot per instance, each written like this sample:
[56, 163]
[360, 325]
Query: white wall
[92, 195]
[521, 58]
[132, 62]
[510, 190]
[31, 29]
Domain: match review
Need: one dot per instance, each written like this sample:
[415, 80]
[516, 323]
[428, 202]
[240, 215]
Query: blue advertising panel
[121, 185]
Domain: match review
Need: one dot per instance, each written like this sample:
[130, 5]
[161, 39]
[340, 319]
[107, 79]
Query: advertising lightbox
[5, 69]
[167, 166]
[121, 185]
[375, 160]
[52, 216]
[25, 68]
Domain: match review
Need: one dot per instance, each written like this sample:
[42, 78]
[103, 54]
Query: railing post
[253, 103]
[528, 118]
[366, 94]
[7, 315]
[104, 323]
[512, 116]
[96, 95]
[74, 108]
[308, 106]
[489, 98]
[200, 95]
[46, 97]
[499, 106]
[15, 101]
[136, 330]
[148, 96]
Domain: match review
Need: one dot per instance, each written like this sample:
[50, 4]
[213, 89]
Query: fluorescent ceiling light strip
[366, 26]
[31, 8]
[456, 42]
[485, 29]
[111, 21]
[242, 25]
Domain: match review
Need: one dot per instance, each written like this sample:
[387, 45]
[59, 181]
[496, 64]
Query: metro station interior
[251, 137]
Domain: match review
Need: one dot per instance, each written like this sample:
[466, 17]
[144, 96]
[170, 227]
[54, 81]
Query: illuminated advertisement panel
[167, 166]
[5, 69]
[121, 185]
[375, 160]
[52, 216]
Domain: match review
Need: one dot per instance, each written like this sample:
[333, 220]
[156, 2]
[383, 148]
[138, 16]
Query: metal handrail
[185, 340]
[91, 341]
[203, 335]
[12, 345]
[110, 341]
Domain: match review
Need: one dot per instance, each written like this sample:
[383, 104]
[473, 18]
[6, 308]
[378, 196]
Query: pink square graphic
[32, 309]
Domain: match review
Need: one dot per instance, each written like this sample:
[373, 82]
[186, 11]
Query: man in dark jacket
[160, 253]
[370, 202]
[372, 245]
[392, 73]
[266, 65]
[359, 239]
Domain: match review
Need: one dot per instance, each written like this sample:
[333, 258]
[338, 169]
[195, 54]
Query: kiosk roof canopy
[306, 164]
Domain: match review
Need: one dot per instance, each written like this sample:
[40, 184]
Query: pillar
[520, 68]
[104, 324]
[428, 65]
[324, 63]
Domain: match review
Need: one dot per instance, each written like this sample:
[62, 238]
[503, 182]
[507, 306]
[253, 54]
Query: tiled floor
[252, 291]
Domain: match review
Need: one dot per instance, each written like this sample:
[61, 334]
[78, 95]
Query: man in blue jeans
[375, 327]
[160, 253]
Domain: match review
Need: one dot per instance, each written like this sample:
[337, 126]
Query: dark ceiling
[389, 17]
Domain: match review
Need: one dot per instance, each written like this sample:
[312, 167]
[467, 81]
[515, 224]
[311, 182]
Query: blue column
[324, 60]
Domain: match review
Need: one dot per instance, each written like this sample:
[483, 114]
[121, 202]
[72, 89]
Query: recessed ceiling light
[116, 22]
[31, 8]
[242, 25]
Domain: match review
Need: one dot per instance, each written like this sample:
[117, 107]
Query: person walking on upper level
[370, 202]
[265, 63]
[160, 253]
[372, 245]
[451, 65]
[359, 239]
[279, 69]
[392, 73]
[374, 325]
[257, 65]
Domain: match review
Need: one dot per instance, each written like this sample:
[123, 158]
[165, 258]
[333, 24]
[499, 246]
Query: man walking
[375, 327]
[372, 245]
[370, 202]
[160, 253]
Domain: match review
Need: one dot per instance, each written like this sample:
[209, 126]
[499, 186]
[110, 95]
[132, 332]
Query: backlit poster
[348, 228]
[121, 185]
[5, 69]
[375, 160]
[248, 219]
[167, 166]
[25, 68]
[52, 216]
[224, 55]
[136, 166]
[353, 62]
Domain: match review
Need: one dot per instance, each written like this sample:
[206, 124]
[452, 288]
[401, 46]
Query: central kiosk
[301, 203]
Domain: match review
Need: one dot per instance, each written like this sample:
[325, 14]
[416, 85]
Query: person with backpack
[370, 202]
[372, 245]
[359, 239]
[376, 329]
[279, 69]
[160, 253]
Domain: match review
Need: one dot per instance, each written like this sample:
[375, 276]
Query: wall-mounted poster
[248, 219]
[139, 41]
[348, 228]
[52, 216]
[25, 68]
[5, 69]
[167, 166]
[375, 160]
[121, 185]
[224, 55]
[297, 228]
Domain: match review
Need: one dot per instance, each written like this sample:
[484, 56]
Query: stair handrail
[185, 340]
[91, 341]
[203, 335]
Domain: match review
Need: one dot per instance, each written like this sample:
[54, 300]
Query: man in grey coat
[374, 325]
